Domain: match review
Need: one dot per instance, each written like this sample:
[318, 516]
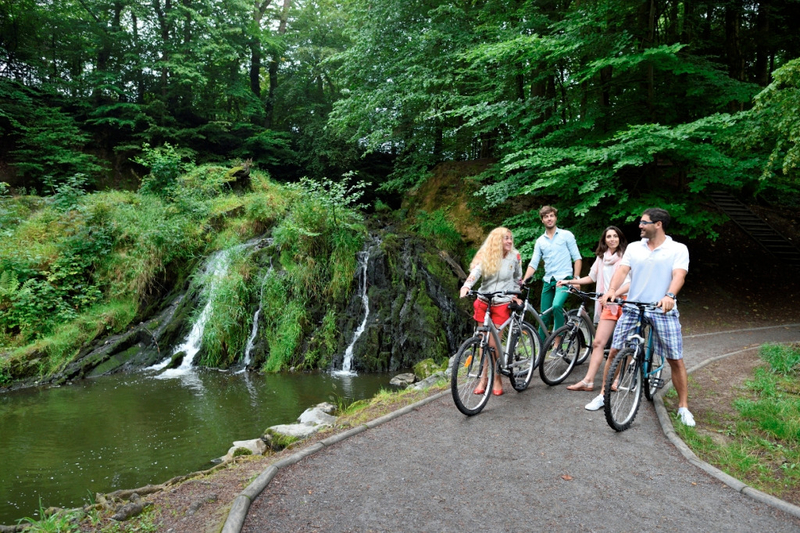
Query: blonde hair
[490, 254]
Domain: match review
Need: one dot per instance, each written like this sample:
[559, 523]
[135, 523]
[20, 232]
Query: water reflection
[65, 444]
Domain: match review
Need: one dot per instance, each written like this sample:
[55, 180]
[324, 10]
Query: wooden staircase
[773, 242]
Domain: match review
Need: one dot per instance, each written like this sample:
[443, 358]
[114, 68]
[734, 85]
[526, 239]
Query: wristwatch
[671, 295]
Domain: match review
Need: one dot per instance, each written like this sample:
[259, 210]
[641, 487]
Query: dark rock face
[141, 346]
[413, 314]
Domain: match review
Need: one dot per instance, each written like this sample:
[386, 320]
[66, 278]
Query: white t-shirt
[651, 271]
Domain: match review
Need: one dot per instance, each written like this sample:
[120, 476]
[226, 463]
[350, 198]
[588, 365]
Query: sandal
[497, 392]
[581, 386]
[479, 390]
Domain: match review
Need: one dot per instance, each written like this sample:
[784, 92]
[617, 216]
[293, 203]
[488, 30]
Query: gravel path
[530, 461]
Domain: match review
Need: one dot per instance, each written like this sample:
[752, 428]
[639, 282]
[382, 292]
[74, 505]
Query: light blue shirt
[558, 254]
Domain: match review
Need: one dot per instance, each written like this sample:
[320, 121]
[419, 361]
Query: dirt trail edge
[535, 460]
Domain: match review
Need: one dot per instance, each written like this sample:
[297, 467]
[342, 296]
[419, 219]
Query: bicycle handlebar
[651, 305]
[582, 294]
[618, 301]
[490, 295]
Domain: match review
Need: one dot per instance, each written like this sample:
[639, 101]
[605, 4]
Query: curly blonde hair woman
[500, 266]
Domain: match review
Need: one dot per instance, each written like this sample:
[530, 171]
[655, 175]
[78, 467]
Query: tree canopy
[602, 106]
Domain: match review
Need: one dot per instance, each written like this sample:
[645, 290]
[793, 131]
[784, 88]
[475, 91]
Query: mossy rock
[277, 441]
[426, 368]
[241, 451]
[176, 360]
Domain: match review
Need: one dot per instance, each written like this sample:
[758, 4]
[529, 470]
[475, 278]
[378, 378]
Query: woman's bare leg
[604, 331]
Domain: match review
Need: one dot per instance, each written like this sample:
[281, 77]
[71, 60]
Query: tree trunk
[651, 41]
[164, 30]
[139, 75]
[259, 8]
[762, 43]
[733, 20]
[273, 66]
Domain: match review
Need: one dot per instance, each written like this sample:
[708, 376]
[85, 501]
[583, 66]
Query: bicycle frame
[638, 343]
[489, 328]
[549, 311]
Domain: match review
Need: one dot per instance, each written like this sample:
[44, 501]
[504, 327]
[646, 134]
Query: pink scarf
[600, 263]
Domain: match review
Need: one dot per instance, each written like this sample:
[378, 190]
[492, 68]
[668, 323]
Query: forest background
[127, 125]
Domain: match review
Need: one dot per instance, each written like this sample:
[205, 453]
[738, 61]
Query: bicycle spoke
[621, 406]
[524, 355]
[471, 371]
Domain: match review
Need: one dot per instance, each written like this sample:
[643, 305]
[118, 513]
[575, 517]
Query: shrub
[166, 165]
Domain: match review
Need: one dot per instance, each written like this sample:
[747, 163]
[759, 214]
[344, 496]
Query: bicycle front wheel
[471, 366]
[523, 358]
[621, 405]
[654, 381]
[561, 351]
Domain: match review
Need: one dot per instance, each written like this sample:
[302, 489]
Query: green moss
[238, 452]
[115, 361]
[426, 368]
[277, 441]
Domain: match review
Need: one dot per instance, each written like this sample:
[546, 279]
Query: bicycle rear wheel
[586, 330]
[559, 358]
[524, 356]
[621, 405]
[471, 366]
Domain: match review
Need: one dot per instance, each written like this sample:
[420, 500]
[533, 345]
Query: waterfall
[347, 363]
[251, 340]
[215, 270]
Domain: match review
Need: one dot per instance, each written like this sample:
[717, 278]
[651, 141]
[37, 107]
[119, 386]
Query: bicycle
[558, 361]
[639, 371]
[474, 362]
[587, 326]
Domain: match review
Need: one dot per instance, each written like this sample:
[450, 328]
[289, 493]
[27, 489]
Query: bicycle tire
[653, 378]
[524, 356]
[558, 361]
[469, 366]
[588, 337]
[621, 406]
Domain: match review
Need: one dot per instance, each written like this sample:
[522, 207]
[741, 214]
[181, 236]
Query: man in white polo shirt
[658, 267]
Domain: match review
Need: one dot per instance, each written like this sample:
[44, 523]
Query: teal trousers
[554, 297]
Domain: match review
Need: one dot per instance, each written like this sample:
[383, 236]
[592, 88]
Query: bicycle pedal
[657, 382]
[505, 371]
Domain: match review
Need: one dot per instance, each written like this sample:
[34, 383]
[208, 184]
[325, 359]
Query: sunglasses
[646, 222]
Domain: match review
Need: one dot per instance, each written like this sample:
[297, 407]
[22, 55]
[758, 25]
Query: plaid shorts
[668, 339]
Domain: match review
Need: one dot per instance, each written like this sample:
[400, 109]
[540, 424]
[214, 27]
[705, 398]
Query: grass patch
[383, 403]
[760, 443]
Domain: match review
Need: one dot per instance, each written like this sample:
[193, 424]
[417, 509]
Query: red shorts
[611, 312]
[500, 313]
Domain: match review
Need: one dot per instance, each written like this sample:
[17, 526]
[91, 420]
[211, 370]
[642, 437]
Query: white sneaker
[595, 404]
[686, 417]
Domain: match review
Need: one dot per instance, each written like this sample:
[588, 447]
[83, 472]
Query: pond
[62, 445]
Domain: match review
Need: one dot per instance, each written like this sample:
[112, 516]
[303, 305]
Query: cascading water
[251, 340]
[215, 271]
[347, 362]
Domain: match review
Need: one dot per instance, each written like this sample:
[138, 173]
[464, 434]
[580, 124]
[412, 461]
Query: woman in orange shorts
[500, 266]
[609, 252]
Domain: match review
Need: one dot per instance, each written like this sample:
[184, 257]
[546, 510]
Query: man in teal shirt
[562, 260]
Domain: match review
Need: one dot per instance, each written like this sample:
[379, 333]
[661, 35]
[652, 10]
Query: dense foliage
[85, 83]
[603, 107]
[77, 266]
